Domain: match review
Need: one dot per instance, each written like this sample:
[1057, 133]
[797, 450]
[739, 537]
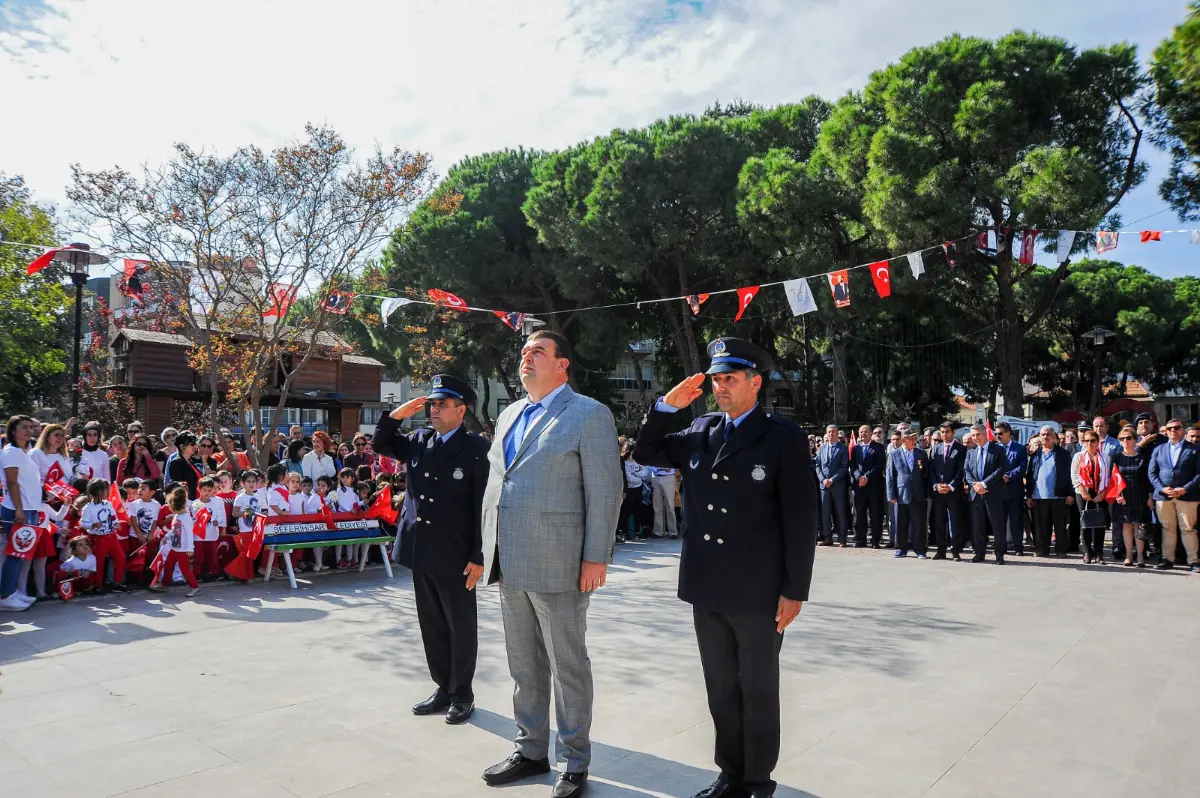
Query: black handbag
[1093, 515]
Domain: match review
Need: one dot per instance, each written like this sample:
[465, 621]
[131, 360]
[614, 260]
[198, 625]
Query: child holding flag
[99, 520]
[212, 511]
[177, 545]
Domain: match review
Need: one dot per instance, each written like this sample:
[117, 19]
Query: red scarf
[1089, 472]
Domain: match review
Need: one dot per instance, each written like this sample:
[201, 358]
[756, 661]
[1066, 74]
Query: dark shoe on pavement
[860, 545]
[939, 555]
[515, 768]
[977, 558]
[460, 712]
[721, 788]
[1165, 565]
[119, 587]
[958, 558]
[435, 704]
[569, 784]
[1195, 567]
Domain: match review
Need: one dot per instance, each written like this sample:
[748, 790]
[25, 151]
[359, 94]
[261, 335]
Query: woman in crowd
[1089, 475]
[631, 507]
[51, 450]
[139, 462]
[205, 449]
[93, 460]
[320, 461]
[21, 505]
[185, 467]
[117, 450]
[361, 456]
[343, 453]
[1132, 508]
[164, 452]
[295, 457]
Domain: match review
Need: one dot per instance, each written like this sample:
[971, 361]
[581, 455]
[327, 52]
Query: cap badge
[719, 348]
[437, 382]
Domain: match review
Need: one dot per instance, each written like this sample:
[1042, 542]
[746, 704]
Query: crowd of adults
[1131, 496]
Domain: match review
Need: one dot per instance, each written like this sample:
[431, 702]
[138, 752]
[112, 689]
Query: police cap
[1143, 417]
[734, 354]
[447, 386]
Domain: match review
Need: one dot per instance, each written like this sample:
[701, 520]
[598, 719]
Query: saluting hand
[685, 392]
[786, 613]
[409, 409]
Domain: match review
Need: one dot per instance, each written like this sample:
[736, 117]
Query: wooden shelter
[153, 368]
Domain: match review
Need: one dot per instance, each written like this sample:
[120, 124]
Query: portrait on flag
[839, 286]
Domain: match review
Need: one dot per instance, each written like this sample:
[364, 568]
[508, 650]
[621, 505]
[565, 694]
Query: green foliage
[34, 311]
[1175, 113]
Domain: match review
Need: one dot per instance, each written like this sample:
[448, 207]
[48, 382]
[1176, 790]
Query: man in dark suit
[833, 471]
[1049, 492]
[946, 476]
[1175, 475]
[750, 501]
[1014, 487]
[440, 536]
[908, 489]
[866, 471]
[1072, 447]
[984, 478]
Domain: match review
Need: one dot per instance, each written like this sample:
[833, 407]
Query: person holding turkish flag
[1130, 492]
[177, 544]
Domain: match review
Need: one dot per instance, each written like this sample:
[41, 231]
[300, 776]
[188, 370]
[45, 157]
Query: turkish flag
[448, 299]
[200, 524]
[1028, 247]
[114, 498]
[988, 426]
[55, 473]
[1151, 235]
[249, 544]
[382, 507]
[327, 514]
[745, 297]
[1116, 484]
[882, 278]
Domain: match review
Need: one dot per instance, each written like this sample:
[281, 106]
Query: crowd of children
[143, 535]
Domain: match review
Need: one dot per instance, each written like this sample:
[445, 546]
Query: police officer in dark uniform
[441, 535]
[750, 500]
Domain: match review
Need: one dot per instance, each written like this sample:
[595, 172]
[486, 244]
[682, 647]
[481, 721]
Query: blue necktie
[729, 428]
[518, 434]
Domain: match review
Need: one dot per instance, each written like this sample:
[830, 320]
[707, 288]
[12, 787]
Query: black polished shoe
[435, 704]
[459, 712]
[721, 788]
[515, 768]
[569, 784]
[761, 792]
[940, 555]
[977, 558]
[1165, 565]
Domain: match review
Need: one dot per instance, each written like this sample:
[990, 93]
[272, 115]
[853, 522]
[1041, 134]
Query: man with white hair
[1048, 493]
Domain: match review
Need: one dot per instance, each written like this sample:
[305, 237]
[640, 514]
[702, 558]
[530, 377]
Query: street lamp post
[80, 257]
[1098, 338]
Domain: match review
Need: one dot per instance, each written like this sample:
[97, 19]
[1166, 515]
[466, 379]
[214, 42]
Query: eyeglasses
[1173, 427]
[1124, 437]
[206, 446]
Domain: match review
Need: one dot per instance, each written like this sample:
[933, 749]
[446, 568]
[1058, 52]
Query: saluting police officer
[751, 507]
[441, 535]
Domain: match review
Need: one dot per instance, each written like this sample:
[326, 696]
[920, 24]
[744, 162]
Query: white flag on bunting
[799, 296]
[1196, 236]
[1066, 240]
[390, 304]
[916, 264]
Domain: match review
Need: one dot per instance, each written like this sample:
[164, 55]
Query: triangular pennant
[882, 278]
[448, 299]
[916, 264]
[745, 297]
[1028, 247]
[799, 296]
[42, 261]
[132, 286]
[1106, 241]
[1066, 240]
[839, 286]
[338, 302]
[694, 302]
[282, 297]
[512, 320]
[390, 304]
[1151, 235]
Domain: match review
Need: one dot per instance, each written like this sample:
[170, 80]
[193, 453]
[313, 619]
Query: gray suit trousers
[544, 633]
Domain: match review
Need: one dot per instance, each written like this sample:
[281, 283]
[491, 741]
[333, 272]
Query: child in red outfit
[208, 537]
[99, 520]
[177, 545]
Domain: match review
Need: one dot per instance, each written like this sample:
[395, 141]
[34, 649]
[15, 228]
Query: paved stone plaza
[901, 679]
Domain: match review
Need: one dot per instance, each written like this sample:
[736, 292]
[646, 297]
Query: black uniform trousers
[740, 658]
[868, 502]
[1050, 516]
[911, 529]
[983, 515]
[947, 523]
[448, 616]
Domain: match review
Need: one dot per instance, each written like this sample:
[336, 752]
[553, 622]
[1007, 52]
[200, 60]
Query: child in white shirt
[79, 567]
[346, 501]
[316, 504]
[207, 539]
[143, 511]
[248, 503]
[177, 544]
[99, 520]
[279, 500]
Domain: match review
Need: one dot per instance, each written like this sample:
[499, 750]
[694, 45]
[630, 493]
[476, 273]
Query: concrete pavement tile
[248, 736]
[86, 701]
[824, 775]
[332, 764]
[120, 768]
[75, 736]
[52, 677]
[227, 781]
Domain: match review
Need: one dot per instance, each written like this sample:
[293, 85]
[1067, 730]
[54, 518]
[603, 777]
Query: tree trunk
[1009, 340]
[484, 414]
[506, 382]
[840, 404]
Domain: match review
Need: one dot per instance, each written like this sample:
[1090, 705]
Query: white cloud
[116, 82]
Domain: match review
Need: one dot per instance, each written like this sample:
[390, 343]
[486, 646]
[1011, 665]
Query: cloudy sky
[116, 82]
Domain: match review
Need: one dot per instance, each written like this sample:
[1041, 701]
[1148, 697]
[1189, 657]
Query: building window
[501, 404]
[370, 416]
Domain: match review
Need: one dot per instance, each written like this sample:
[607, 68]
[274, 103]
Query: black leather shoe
[761, 792]
[433, 705]
[459, 712]
[721, 788]
[569, 784]
[977, 558]
[941, 555]
[515, 768]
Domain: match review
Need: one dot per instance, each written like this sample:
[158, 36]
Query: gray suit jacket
[557, 504]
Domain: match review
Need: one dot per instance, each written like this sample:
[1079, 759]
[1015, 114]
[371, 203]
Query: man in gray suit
[549, 522]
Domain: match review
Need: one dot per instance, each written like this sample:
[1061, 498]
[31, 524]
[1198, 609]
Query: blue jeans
[11, 570]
